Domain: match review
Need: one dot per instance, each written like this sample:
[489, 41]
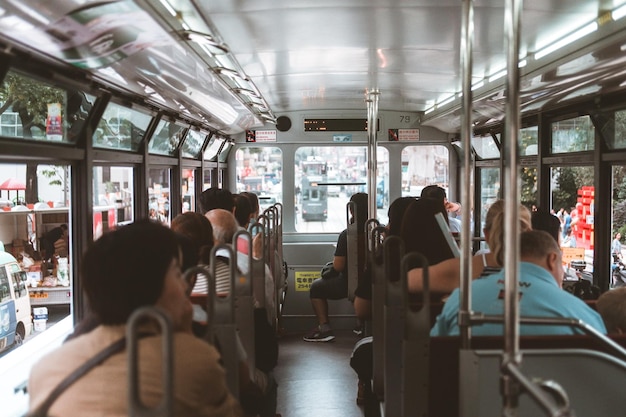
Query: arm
[444, 276]
[339, 263]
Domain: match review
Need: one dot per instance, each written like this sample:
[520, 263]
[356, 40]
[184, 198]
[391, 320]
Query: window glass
[210, 154]
[34, 201]
[485, 147]
[319, 207]
[528, 138]
[382, 184]
[188, 190]
[422, 166]
[618, 225]
[193, 143]
[121, 128]
[572, 194]
[260, 171]
[223, 156]
[529, 187]
[159, 194]
[113, 198]
[166, 138]
[615, 133]
[32, 109]
[573, 135]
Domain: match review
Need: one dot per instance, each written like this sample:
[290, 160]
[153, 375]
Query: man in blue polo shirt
[540, 294]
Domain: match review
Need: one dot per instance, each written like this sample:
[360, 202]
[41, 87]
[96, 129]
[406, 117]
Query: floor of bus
[315, 379]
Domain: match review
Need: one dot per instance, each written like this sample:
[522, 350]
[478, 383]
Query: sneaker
[358, 330]
[317, 335]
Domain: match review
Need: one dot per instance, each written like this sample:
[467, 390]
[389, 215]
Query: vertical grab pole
[467, 30]
[372, 128]
[512, 20]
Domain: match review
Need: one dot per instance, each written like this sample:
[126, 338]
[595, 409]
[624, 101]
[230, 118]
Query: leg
[320, 307]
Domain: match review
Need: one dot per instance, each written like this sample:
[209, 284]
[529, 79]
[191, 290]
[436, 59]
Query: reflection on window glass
[159, 194]
[325, 179]
[572, 201]
[422, 166]
[121, 128]
[573, 135]
[485, 147]
[210, 154]
[528, 138]
[166, 138]
[31, 109]
[113, 198]
[223, 156]
[615, 133]
[193, 143]
[35, 268]
[260, 171]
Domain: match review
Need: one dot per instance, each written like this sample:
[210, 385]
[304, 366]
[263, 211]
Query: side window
[113, 198]
[5, 292]
[260, 171]
[422, 166]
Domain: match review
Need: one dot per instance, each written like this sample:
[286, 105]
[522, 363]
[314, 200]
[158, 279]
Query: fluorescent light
[618, 13]
[478, 85]
[169, 7]
[497, 76]
[446, 101]
[585, 30]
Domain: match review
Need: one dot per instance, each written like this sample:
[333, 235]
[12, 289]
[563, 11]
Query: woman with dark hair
[421, 231]
[134, 266]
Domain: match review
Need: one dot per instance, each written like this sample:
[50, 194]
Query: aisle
[315, 379]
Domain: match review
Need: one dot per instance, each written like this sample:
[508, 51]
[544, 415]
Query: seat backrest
[444, 362]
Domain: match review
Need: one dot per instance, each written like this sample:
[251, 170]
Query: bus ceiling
[231, 67]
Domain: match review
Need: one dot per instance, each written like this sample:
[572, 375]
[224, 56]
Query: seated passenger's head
[494, 228]
[243, 210]
[421, 232]
[216, 198]
[360, 201]
[612, 307]
[224, 226]
[135, 266]
[197, 228]
[396, 213]
[543, 220]
[539, 248]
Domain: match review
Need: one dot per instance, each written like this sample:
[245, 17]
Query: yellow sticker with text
[304, 279]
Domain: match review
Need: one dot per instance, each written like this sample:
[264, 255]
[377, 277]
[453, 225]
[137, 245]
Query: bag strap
[100, 357]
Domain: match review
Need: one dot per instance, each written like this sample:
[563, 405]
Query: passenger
[266, 346]
[540, 294]
[438, 193]
[362, 360]
[335, 286]
[197, 228]
[134, 266]
[569, 241]
[612, 307]
[421, 231]
[216, 198]
[444, 276]
[548, 222]
[254, 204]
[243, 210]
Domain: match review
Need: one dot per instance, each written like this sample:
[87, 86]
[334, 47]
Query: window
[113, 198]
[159, 194]
[573, 135]
[422, 166]
[166, 138]
[193, 143]
[210, 154]
[39, 111]
[485, 147]
[260, 171]
[528, 138]
[121, 128]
